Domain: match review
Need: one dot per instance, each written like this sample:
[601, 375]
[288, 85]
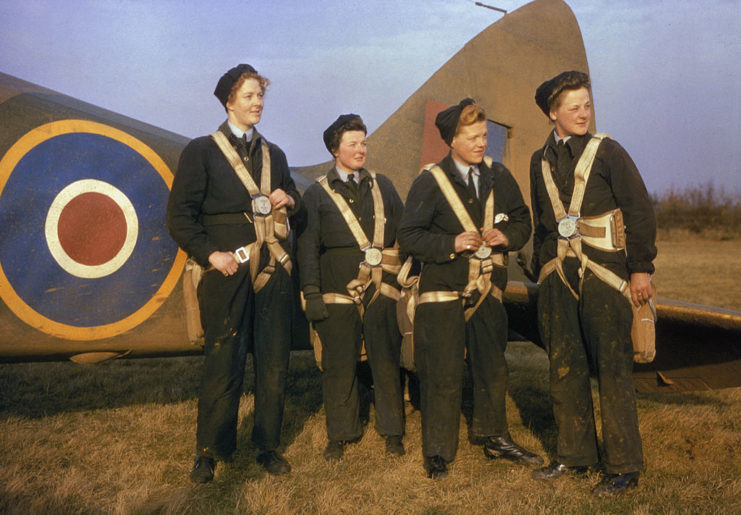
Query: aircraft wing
[88, 271]
[697, 347]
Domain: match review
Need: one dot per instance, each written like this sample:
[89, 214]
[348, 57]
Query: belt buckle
[242, 255]
[261, 205]
[373, 256]
[567, 227]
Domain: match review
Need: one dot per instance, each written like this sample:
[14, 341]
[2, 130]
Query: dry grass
[699, 210]
[703, 271]
[118, 438]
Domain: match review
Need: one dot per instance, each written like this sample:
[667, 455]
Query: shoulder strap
[489, 208]
[378, 212]
[582, 171]
[581, 176]
[349, 216]
[455, 202]
[233, 157]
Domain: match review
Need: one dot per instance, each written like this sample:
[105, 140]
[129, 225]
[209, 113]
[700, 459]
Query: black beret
[337, 126]
[224, 87]
[447, 120]
[550, 89]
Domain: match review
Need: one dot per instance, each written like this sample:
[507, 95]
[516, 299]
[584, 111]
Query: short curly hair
[264, 83]
[472, 113]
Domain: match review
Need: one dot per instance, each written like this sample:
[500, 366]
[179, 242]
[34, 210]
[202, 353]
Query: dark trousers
[236, 321]
[592, 332]
[341, 335]
[441, 335]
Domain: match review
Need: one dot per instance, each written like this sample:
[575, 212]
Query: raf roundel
[91, 228]
[85, 253]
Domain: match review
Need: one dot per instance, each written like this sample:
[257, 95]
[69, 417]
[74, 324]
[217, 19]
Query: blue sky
[666, 74]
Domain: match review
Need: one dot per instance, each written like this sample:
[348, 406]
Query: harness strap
[604, 232]
[581, 173]
[268, 226]
[479, 268]
[448, 296]
[438, 296]
[338, 298]
[350, 219]
[368, 273]
[592, 230]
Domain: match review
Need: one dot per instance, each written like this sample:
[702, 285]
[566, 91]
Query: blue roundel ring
[48, 288]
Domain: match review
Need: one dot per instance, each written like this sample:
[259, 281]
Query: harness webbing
[479, 269]
[268, 228]
[368, 273]
[571, 246]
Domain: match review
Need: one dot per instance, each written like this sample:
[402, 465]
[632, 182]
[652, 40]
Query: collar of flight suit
[576, 145]
[486, 177]
[333, 175]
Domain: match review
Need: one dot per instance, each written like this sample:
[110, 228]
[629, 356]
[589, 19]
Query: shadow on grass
[303, 400]
[529, 390]
[527, 386]
[683, 399]
[37, 390]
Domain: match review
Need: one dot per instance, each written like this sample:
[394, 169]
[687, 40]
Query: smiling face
[572, 112]
[244, 107]
[350, 155]
[469, 143]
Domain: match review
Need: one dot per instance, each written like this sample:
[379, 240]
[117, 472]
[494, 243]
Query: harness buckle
[487, 267]
[501, 217]
[567, 227]
[373, 256]
[261, 205]
[241, 255]
[483, 252]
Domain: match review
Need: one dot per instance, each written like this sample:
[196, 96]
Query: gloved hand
[315, 309]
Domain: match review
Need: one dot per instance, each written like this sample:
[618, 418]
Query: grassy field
[118, 438]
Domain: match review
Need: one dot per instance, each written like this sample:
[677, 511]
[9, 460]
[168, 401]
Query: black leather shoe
[203, 469]
[612, 484]
[555, 470]
[503, 447]
[334, 450]
[394, 446]
[436, 467]
[273, 462]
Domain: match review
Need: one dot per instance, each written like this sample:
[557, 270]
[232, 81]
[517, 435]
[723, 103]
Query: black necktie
[241, 145]
[352, 184]
[563, 164]
[471, 185]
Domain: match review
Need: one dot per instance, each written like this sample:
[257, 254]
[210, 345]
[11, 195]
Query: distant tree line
[700, 210]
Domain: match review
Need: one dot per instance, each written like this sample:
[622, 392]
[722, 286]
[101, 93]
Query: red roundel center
[92, 228]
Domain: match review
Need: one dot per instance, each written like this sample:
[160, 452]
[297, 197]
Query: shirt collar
[463, 169]
[239, 133]
[337, 174]
[558, 138]
[344, 175]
